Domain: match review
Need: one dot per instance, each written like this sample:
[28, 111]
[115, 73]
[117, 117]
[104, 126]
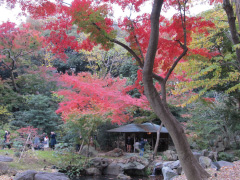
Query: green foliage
[237, 153]
[17, 154]
[225, 157]
[212, 119]
[104, 138]
[39, 112]
[35, 84]
[79, 128]
[221, 71]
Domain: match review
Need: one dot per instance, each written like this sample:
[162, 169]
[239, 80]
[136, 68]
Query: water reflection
[115, 177]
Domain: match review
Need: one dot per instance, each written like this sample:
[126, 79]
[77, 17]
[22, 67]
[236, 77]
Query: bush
[225, 156]
[237, 153]
[17, 154]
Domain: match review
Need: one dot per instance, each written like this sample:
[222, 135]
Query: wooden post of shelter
[134, 141]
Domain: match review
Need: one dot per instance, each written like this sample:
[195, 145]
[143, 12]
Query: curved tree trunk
[190, 165]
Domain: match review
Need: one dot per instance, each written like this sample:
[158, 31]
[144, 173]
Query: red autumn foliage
[90, 95]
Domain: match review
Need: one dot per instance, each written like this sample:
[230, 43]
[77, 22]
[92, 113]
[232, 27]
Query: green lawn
[35, 160]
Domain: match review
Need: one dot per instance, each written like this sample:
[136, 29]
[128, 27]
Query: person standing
[7, 137]
[46, 142]
[142, 144]
[129, 144]
[53, 140]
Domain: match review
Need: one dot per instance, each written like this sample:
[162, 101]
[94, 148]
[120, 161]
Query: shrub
[225, 156]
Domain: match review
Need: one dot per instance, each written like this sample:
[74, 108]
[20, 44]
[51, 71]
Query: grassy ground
[36, 160]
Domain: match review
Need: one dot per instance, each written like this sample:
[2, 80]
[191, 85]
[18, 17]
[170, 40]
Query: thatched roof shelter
[145, 127]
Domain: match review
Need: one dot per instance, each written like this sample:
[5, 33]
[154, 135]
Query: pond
[114, 177]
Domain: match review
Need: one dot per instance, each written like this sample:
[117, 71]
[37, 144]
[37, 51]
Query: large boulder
[205, 162]
[93, 172]
[172, 164]
[4, 169]
[117, 152]
[170, 155]
[34, 175]
[89, 151]
[134, 162]
[168, 173]
[100, 163]
[113, 169]
[26, 175]
[5, 159]
[50, 176]
[224, 163]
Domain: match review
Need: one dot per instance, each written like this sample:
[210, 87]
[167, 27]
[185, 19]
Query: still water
[115, 177]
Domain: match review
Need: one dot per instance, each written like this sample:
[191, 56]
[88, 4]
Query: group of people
[38, 143]
[138, 145]
[43, 143]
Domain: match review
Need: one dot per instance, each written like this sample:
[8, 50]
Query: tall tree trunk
[157, 141]
[13, 81]
[237, 3]
[190, 165]
[227, 6]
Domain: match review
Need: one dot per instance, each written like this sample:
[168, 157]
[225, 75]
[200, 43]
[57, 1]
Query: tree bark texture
[190, 165]
[227, 6]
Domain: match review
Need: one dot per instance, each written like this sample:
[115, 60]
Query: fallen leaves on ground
[5, 177]
[225, 173]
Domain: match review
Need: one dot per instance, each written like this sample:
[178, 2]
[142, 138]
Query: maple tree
[91, 95]
[156, 43]
[15, 44]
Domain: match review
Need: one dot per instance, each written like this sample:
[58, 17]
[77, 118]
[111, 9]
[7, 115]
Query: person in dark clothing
[142, 144]
[53, 140]
[129, 144]
[7, 140]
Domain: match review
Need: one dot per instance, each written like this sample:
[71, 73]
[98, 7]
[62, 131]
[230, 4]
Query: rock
[172, 164]
[168, 173]
[215, 165]
[100, 163]
[171, 155]
[115, 153]
[220, 147]
[205, 162]
[197, 155]
[213, 155]
[5, 159]
[93, 172]
[134, 162]
[4, 169]
[26, 175]
[179, 170]
[123, 177]
[113, 169]
[225, 163]
[89, 151]
[50, 176]
[205, 152]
